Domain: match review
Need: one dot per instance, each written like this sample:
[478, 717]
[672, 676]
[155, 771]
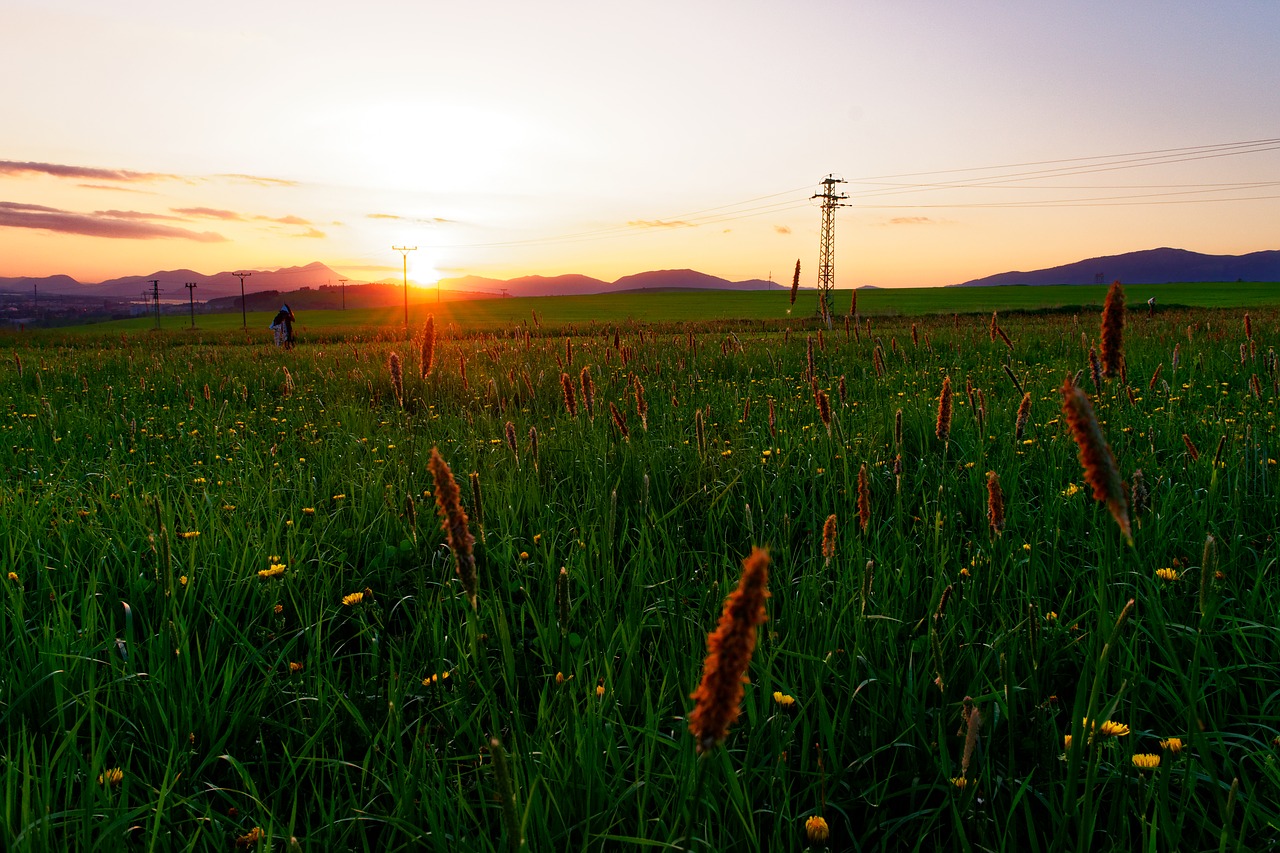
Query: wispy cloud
[284, 220]
[782, 229]
[135, 214]
[59, 170]
[913, 220]
[260, 181]
[129, 226]
[116, 189]
[209, 213]
[312, 233]
[433, 220]
[661, 223]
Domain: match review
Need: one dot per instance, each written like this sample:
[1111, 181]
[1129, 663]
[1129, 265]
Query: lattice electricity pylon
[827, 245]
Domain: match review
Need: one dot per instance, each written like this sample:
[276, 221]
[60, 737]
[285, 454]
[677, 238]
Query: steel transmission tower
[827, 244]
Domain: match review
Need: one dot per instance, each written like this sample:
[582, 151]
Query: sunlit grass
[308, 665]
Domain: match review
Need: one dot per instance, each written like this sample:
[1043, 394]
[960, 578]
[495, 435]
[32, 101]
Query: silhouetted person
[282, 325]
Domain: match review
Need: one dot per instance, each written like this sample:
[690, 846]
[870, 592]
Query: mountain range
[316, 275]
[1152, 266]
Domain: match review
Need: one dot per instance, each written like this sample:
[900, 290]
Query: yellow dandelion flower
[353, 598]
[1071, 490]
[537, 537]
[13, 576]
[1167, 574]
[1146, 761]
[1113, 729]
[189, 534]
[783, 699]
[1173, 744]
[960, 783]
[272, 571]
[111, 777]
[228, 507]
[816, 829]
[1026, 546]
[1051, 616]
[308, 510]
[278, 609]
[599, 691]
[294, 666]
[182, 581]
[1066, 742]
[524, 555]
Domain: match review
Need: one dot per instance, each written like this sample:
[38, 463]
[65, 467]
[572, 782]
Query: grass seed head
[1099, 464]
[453, 519]
[729, 650]
[1112, 337]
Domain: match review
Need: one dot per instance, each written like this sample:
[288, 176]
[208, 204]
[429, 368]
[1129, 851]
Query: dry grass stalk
[510, 432]
[1155, 377]
[588, 392]
[864, 499]
[533, 446]
[1192, 450]
[943, 428]
[897, 428]
[973, 724]
[843, 390]
[642, 405]
[729, 650]
[570, 401]
[619, 421]
[453, 520]
[795, 282]
[824, 409]
[995, 504]
[1248, 326]
[773, 421]
[477, 501]
[1024, 414]
[829, 539]
[397, 378]
[1112, 337]
[1008, 343]
[428, 353]
[1138, 494]
[1013, 379]
[853, 308]
[699, 429]
[1095, 455]
[992, 331]
[1095, 370]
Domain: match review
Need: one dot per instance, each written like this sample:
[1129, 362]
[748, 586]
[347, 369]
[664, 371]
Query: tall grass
[158, 692]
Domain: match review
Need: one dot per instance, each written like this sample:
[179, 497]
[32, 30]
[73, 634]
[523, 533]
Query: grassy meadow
[231, 618]
[683, 306]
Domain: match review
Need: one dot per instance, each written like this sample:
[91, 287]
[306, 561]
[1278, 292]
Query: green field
[165, 687]
[693, 306]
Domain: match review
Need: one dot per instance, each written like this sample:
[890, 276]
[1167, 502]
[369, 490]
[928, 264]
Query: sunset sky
[511, 138]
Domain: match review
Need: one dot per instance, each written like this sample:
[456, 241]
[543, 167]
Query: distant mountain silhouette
[1152, 266]
[171, 283]
[263, 287]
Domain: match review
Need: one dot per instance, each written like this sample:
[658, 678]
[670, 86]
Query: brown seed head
[1095, 455]
[943, 430]
[428, 345]
[453, 520]
[570, 401]
[829, 538]
[995, 504]
[1113, 330]
[729, 651]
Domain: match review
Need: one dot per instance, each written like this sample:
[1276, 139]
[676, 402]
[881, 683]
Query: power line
[1011, 178]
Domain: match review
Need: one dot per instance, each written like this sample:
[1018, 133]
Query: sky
[509, 138]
